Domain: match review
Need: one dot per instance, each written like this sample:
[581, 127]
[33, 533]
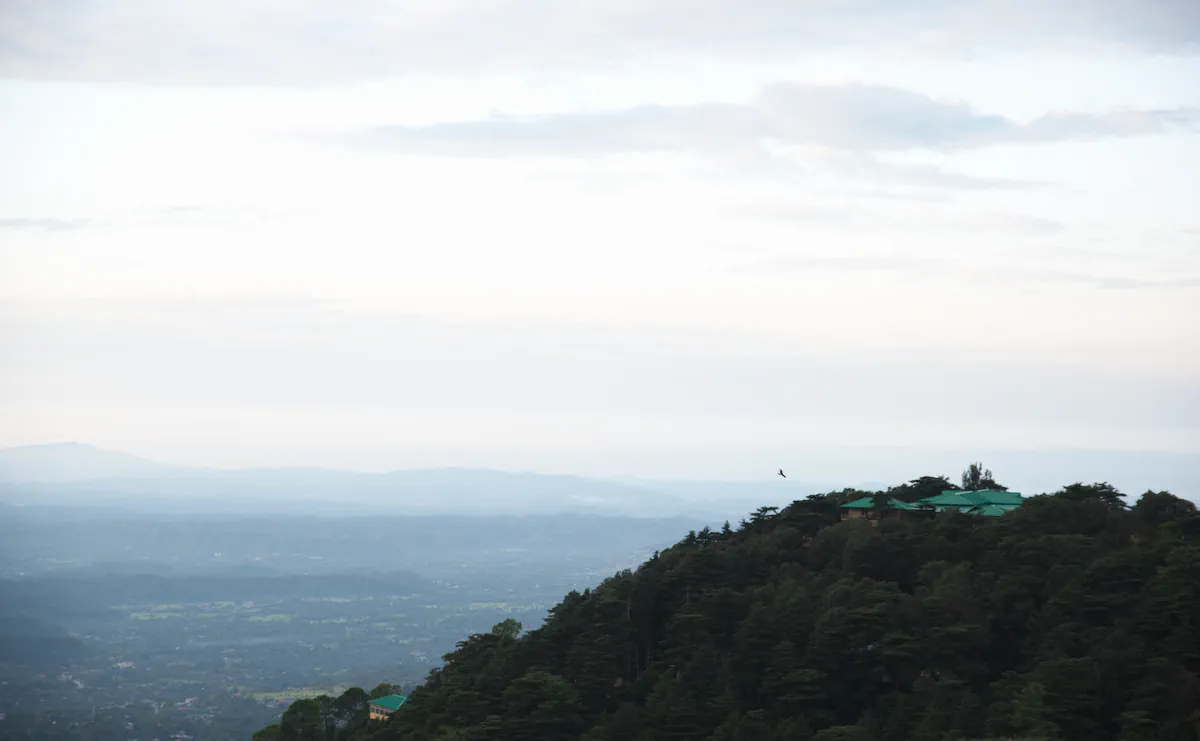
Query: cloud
[1034, 276]
[872, 219]
[44, 224]
[866, 166]
[851, 117]
[853, 263]
[309, 42]
[1061, 126]
[182, 215]
[1125, 283]
[1028, 276]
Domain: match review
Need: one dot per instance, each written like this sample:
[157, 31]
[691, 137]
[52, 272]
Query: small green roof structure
[950, 499]
[988, 503]
[869, 503]
[390, 702]
[990, 510]
[1002, 498]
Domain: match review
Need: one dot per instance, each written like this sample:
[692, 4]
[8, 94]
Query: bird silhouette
[781, 473]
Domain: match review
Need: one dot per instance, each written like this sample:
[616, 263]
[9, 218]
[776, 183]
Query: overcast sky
[641, 237]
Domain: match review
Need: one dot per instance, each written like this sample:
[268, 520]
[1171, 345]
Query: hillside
[61, 463]
[1073, 617]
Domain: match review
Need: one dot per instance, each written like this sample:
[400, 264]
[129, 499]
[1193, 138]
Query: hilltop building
[988, 503]
[866, 507]
[382, 707]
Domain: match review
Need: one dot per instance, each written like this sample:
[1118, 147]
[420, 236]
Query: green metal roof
[863, 503]
[949, 499]
[967, 499]
[391, 702]
[988, 510]
[992, 496]
[869, 503]
[986, 503]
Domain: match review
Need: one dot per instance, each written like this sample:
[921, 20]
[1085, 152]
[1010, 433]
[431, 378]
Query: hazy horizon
[812, 470]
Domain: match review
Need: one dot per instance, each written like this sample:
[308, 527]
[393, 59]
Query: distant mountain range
[74, 462]
[78, 475]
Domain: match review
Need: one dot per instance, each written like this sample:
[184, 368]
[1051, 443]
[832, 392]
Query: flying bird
[781, 473]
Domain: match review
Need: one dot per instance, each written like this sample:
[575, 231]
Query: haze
[661, 239]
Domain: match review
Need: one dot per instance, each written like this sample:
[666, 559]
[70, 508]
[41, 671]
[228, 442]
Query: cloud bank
[307, 42]
[856, 117]
[43, 223]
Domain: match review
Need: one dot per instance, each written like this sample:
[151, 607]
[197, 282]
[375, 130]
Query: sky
[655, 238]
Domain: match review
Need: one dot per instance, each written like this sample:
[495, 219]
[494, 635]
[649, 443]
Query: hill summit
[1072, 616]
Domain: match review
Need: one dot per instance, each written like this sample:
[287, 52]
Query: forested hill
[1074, 617]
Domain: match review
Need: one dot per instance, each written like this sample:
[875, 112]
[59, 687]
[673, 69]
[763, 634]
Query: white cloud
[308, 42]
[853, 117]
[43, 223]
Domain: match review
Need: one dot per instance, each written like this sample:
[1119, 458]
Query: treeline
[1075, 616]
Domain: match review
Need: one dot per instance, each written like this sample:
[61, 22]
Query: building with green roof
[868, 502]
[382, 707]
[990, 510]
[987, 503]
[949, 500]
[867, 507]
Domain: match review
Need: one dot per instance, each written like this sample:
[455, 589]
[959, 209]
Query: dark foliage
[1071, 617]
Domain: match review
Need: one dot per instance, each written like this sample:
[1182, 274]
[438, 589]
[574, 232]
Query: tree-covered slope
[1072, 617]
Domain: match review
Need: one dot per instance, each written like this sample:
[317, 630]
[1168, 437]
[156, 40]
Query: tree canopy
[1071, 617]
[978, 478]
